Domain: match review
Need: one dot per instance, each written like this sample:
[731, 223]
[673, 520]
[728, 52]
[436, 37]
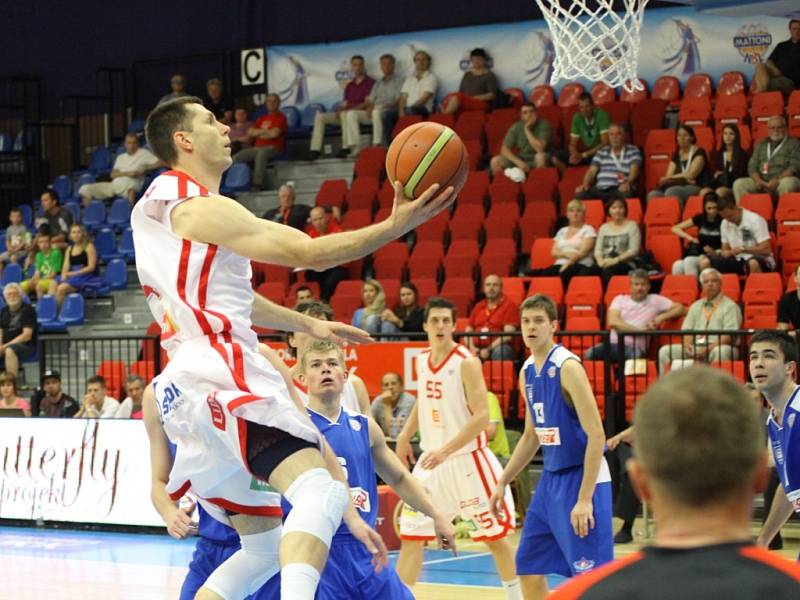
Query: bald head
[319, 219]
[493, 287]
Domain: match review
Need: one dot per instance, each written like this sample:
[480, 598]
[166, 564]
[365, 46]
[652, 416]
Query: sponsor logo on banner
[549, 436]
[583, 565]
[343, 74]
[752, 42]
[77, 470]
[360, 498]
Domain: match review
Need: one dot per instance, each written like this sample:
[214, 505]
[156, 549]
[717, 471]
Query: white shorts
[461, 486]
[204, 403]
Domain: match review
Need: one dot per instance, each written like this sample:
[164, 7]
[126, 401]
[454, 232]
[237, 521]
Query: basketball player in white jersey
[456, 466]
[224, 407]
[354, 393]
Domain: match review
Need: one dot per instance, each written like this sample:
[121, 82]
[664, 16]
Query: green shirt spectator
[589, 130]
[48, 261]
[516, 138]
[496, 431]
[49, 264]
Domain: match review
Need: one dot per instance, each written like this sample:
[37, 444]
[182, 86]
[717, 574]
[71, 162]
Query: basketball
[427, 153]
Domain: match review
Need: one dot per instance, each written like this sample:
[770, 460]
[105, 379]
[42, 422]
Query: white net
[594, 42]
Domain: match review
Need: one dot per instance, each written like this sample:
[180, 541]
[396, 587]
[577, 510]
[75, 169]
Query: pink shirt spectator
[238, 133]
[356, 93]
[638, 313]
[20, 403]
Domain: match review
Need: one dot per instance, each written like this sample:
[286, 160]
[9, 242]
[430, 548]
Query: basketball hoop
[595, 43]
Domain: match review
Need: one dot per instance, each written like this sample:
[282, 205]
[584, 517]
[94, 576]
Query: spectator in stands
[478, 88]
[17, 239]
[626, 504]
[789, 308]
[269, 140]
[8, 395]
[495, 312]
[56, 217]
[729, 161]
[218, 103]
[774, 166]
[355, 101]
[240, 131]
[715, 311]
[17, 329]
[688, 171]
[48, 262]
[80, 266]
[618, 242]
[708, 241]
[303, 294]
[393, 405]
[368, 317]
[287, 212]
[638, 311]
[127, 176]
[407, 316]
[781, 72]
[50, 400]
[525, 145]
[383, 98]
[496, 430]
[96, 404]
[573, 246]
[321, 224]
[416, 95]
[614, 169]
[588, 134]
[178, 85]
[131, 407]
[746, 243]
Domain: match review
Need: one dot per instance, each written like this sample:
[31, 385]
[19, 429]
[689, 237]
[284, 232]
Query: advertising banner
[81, 470]
[675, 41]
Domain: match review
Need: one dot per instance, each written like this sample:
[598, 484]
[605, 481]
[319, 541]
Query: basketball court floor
[82, 565]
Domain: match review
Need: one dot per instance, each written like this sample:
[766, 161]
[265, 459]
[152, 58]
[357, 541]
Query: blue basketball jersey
[348, 436]
[785, 442]
[561, 436]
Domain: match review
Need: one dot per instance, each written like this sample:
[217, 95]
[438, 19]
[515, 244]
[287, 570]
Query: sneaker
[343, 153]
[623, 536]
[313, 154]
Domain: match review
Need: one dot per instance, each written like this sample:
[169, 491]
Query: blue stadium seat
[75, 209]
[125, 247]
[46, 309]
[292, 116]
[116, 275]
[94, 216]
[63, 187]
[6, 142]
[307, 118]
[100, 161]
[83, 180]
[136, 126]
[2, 242]
[106, 244]
[72, 310]
[236, 179]
[11, 273]
[119, 217]
[27, 214]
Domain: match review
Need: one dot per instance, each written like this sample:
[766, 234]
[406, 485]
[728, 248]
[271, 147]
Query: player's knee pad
[318, 503]
[249, 568]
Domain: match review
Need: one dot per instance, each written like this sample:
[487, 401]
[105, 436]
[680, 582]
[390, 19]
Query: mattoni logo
[752, 42]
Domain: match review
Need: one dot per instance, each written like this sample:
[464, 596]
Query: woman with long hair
[407, 315]
[368, 317]
[688, 171]
[80, 265]
[729, 161]
[8, 394]
[707, 242]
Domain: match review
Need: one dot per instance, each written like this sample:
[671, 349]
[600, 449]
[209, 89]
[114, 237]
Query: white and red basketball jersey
[442, 404]
[194, 290]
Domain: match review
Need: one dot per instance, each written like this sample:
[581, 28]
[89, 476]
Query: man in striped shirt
[614, 170]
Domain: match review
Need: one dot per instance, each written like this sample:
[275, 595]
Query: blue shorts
[548, 543]
[208, 555]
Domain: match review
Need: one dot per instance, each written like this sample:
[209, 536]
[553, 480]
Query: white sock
[299, 581]
[513, 591]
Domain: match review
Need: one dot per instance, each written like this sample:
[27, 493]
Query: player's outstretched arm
[391, 470]
[224, 222]
[178, 520]
[475, 391]
[268, 314]
[523, 454]
[779, 513]
[576, 384]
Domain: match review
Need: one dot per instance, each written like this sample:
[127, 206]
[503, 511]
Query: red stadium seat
[345, 306]
[426, 287]
[666, 88]
[680, 288]
[275, 291]
[460, 266]
[790, 254]
[579, 344]
[542, 95]
[660, 143]
[551, 287]
[331, 192]
[405, 121]
[146, 369]
[265, 272]
[361, 199]
[694, 206]
[584, 295]
[730, 109]
[663, 210]
[595, 214]
[596, 371]
[758, 203]
[390, 261]
[501, 228]
[569, 94]
[765, 105]
[466, 226]
[541, 256]
[516, 95]
[514, 288]
[603, 93]
[435, 229]
[531, 228]
[705, 138]
[666, 250]
[504, 191]
[731, 83]
[760, 321]
[509, 210]
[474, 150]
[695, 110]
[356, 219]
[634, 96]
[634, 210]
[646, 115]
[501, 379]
[445, 119]
[619, 112]
[618, 285]
[762, 288]
[730, 287]
[552, 114]
[114, 372]
[698, 86]
[425, 260]
[787, 214]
